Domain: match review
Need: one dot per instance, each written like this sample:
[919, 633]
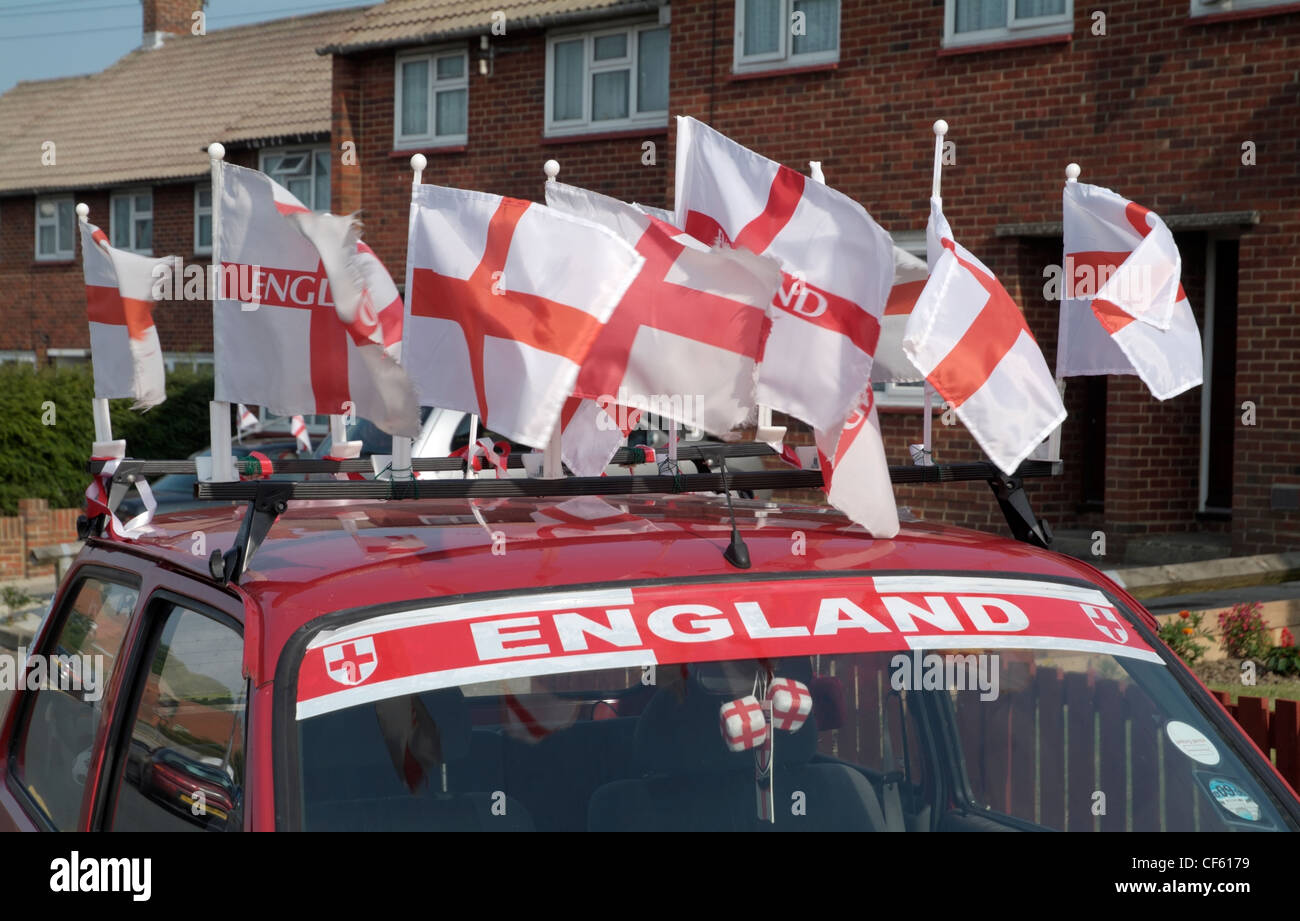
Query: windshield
[905, 703]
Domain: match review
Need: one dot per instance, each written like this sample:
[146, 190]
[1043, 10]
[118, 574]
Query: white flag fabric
[685, 341]
[589, 436]
[298, 428]
[309, 321]
[971, 342]
[838, 268]
[892, 364]
[505, 299]
[1123, 310]
[246, 419]
[124, 350]
[855, 472]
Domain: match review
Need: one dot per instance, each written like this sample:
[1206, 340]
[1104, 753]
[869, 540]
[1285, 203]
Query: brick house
[129, 142]
[1191, 107]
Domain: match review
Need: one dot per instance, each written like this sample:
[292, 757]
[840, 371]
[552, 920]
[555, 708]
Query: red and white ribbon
[97, 502]
[495, 454]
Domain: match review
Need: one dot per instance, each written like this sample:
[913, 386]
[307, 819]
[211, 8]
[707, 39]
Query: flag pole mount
[104, 445]
[552, 468]
[223, 461]
[1072, 171]
[927, 418]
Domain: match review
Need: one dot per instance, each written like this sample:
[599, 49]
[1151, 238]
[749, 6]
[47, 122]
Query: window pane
[973, 15]
[451, 112]
[568, 67]
[609, 95]
[415, 98]
[205, 196]
[122, 222]
[46, 242]
[301, 189]
[451, 68]
[204, 235]
[1026, 9]
[58, 739]
[46, 209]
[272, 164]
[652, 71]
[184, 769]
[610, 47]
[144, 234]
[144, 202]
[67, 220]
[821, 26]
[321, 201]
[762, 26]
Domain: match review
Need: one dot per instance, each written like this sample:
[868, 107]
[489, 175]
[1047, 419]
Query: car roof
[331, 555]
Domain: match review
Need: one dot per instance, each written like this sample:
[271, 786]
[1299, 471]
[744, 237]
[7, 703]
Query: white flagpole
[98, 405]
[223, 466]
[402, 445]
[927, 422]
[551, 464]
[1072, 172]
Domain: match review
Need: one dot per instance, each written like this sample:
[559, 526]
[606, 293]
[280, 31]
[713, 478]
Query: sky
[40, 39]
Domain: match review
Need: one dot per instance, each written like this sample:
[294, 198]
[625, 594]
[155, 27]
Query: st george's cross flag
[971, 342]
[591, 435]
[309, 320]
[1123, 308]
[892, 364]
[505, 299]
[685, 341]
[838, 268]
[124, 350]
[855, 473]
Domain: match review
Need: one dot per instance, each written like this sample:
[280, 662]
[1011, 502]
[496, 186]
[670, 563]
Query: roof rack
[268, 498]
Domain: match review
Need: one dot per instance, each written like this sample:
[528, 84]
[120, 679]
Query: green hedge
[47, 461]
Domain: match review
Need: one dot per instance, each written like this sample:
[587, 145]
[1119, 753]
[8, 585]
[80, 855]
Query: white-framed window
[1210, 7]
[772, 34]
[188, 361]
[304, 171]
[979, 22]
[607, 80]
[431, 99]
[203, 217]
[68, 358]
[17, 357]
[56, 224]
[130, 225]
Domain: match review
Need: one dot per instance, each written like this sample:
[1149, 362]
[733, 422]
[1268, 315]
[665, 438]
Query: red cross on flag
[506, 299]
[310, 321]
[838, 268]
[892, 363]
[1123, 310]
[685, 340]
[970, 340]
[124, 347]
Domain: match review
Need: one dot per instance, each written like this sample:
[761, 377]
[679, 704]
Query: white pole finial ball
[217, 151]
[1072, 172]
[419, 162]
[83, 210]
[552, 169]
[941, 127]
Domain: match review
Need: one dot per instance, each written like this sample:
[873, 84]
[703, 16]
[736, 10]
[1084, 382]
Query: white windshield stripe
[951, 585]
[1052, 643]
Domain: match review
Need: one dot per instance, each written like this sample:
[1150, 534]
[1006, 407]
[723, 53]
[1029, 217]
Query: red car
[588, 663]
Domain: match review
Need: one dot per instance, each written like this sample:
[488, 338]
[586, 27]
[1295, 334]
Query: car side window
[184, 765]
[55, 743]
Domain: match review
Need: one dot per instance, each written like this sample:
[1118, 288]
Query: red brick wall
[1157, 108]
[504, 154]
[43, 304]
[35, 525]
